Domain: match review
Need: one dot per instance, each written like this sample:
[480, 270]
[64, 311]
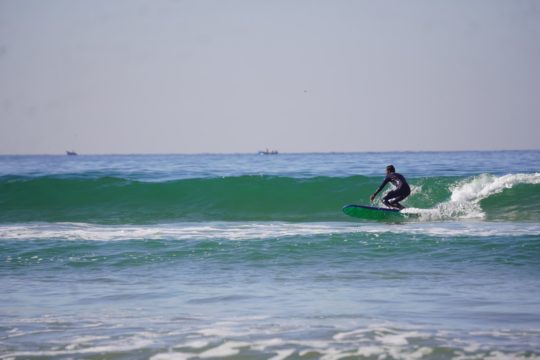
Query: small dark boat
[71, 153]
[268, 152]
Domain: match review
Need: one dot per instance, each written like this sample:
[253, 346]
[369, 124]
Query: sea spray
[485, 185]
[467, 195]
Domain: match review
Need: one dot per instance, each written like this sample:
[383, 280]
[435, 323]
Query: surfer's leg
[394, 202]
[388, 198]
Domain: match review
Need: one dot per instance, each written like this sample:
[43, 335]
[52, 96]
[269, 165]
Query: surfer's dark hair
[391, 168]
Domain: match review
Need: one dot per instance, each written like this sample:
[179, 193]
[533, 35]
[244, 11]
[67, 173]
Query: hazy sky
[238, 76]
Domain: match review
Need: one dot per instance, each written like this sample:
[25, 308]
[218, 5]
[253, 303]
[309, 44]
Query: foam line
[254, 231]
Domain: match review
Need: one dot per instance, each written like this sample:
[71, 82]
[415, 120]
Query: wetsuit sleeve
[385, 181]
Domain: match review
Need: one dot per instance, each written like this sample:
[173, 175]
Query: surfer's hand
[372, 197]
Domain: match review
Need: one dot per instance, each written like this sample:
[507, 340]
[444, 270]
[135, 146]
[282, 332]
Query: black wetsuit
[401, 191]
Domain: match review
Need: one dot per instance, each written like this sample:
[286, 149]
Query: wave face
[113, 200]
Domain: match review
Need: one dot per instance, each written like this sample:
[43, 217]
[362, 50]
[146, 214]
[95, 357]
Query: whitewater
[245, 256]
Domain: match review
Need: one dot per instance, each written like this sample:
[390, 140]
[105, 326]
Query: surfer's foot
[393, 205]
[398, 206]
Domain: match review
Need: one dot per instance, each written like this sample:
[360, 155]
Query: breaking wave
[109, 200]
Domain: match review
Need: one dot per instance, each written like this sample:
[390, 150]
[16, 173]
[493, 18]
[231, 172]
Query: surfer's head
[390, 169]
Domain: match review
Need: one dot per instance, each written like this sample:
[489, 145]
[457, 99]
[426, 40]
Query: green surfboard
[371, 212]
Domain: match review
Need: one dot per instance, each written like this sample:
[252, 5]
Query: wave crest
[468, 194]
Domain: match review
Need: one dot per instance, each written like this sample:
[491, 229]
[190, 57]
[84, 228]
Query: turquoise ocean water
[250, 257]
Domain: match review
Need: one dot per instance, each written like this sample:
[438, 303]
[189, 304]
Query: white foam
[393, 339]
[282, 354]
[381, 339]
[355, 333]
[220, 331]
[264, 344]
[128, 344]
[179, 231]
[83, 340]
[483, 186]
[335, 354]
[194, 344]
[228, 348]
[254, 231]
[399, 339]
[466, 195]
[499, 355]
[367, 351]
[420, 353]
[15, 332]
[172, 356]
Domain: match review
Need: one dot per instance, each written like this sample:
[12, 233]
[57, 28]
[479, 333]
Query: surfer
[401, 191]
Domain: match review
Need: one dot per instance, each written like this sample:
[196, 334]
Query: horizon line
[257, 153]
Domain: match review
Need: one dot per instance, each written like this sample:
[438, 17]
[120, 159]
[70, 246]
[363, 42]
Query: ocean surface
[246, 256]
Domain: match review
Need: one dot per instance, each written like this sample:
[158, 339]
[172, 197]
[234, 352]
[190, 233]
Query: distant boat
[71, 153]
[268, 152]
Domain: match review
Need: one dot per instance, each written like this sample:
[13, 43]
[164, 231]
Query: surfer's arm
[385, 181]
